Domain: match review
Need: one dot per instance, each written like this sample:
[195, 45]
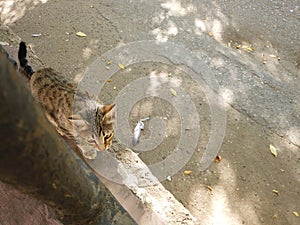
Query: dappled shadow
[243, 185]
[255, 82]
[11, 11]
[236, 198]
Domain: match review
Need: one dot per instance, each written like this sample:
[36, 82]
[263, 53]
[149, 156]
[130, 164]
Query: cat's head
[98, 133]
[104, 121]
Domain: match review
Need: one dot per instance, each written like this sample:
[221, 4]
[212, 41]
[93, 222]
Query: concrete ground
[249, 49]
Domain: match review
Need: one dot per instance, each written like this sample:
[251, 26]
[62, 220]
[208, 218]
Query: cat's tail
[22, 54]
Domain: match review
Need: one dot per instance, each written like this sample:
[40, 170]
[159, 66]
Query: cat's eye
[91, 140]
[107, 137]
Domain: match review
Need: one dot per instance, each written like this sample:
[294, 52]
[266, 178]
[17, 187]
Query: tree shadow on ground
[238, 190]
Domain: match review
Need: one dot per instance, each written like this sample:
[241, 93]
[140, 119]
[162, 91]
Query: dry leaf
[296, 214]
[218, 159]
[81, 34]
[250, 49]
[273, 150]
[209, 188]
[187, 172]
[275, 191]
[173, 92]
[122, 67]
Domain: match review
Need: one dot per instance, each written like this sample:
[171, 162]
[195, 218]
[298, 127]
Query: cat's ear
[109, 113]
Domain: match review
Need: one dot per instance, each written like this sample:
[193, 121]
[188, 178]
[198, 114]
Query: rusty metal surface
[38, 162]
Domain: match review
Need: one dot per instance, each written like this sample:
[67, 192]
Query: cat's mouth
[98, 146]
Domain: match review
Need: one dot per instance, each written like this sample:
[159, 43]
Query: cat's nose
[100, 147]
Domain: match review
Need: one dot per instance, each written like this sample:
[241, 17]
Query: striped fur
[76, 115]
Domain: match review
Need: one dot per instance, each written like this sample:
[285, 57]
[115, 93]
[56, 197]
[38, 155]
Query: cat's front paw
[88, 152]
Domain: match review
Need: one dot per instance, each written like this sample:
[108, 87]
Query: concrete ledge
[139, 192]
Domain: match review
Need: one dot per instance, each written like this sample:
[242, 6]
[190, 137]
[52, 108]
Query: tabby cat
[75, 114]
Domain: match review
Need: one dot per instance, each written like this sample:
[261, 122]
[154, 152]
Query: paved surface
[251, 48]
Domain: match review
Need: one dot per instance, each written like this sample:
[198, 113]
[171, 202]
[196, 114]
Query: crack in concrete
[108, 21]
